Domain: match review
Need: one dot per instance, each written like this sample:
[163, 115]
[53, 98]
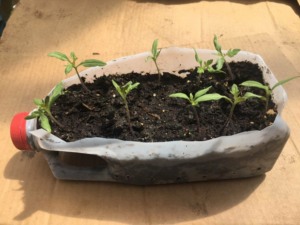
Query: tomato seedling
[268, 90]
[205, 65]
[194, 100]
[222, 57]
[43, 111]
[123, 92]
[154, 55]
[71, 64]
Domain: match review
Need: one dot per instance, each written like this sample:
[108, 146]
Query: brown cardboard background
[30, 195]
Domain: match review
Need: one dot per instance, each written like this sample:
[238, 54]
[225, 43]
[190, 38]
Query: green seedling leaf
[220, 63]
[200, 70]
[179, 95]
[283, 82]
[132, 87]
[252, 95]
[58, 55]
[56, 93]
[92, 63]
[200, 96]
[234, 90]
[47, 99]
[210, 97]
[154, 48]
[209, 62]
[68, 68]
[217, 45]
[33, 115]
[116, 85]
[232, 52]
[45, 123]
[155, 53]
[119, 90]
[252, 83]
[38, 102]
[73, 56]
[202, 92]
[197, 58]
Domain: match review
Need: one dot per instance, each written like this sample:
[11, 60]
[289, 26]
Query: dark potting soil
[154, 115]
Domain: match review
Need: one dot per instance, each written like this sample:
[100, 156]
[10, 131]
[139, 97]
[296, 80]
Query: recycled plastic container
[242, 155]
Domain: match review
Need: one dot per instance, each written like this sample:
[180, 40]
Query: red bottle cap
[18, 131]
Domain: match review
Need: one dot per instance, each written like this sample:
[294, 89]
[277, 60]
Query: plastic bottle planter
[242, 155]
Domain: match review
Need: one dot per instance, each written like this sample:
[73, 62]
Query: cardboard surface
[30, 195]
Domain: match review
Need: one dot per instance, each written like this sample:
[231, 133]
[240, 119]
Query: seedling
[205, 65]
[124, 91]
[155, 53]
[194, 100]
[221, 60]
[266, 88]
[71, 64]
[238, 98]
[43, 112]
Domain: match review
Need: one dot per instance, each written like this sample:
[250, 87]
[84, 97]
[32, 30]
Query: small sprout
[266, 88]
[124, 91]
[71, 64]
[194, 100]
[44, 108]
[221, 61]
[205, 65]
[237, 98]
[155, 53]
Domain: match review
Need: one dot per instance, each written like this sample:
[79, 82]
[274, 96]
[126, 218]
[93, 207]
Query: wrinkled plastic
[242, 155]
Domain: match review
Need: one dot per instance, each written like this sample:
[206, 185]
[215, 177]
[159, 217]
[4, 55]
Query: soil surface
[157, 117]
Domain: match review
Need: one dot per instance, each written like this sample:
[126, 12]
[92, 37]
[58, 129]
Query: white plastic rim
[171, 60]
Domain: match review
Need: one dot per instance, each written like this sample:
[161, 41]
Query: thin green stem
[81, 81]
[54, 120]
[229, 118]
[197, 118]
[229, 70]
[128, 117]
[267, 102]
[158, 71]
[231, 111]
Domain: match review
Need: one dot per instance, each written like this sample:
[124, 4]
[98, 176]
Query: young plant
[205, 65]
[238, 98]
[43, 112]
[71, 64]
[221, 61]
[194, 100]
[124, 91]
[266, 88]
[155, 53]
